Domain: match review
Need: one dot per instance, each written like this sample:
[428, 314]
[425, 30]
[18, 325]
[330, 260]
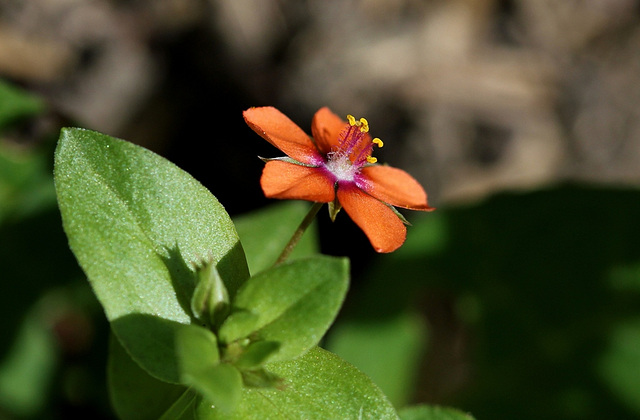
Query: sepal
[286, 159]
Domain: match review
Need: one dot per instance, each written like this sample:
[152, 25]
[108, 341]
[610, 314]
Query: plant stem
[298, 233]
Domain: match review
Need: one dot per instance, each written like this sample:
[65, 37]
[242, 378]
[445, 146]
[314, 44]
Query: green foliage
[540, 290]
[27, 198]
[387, 349]
[304, 393]
[533, 300]
[265, 233]
[425, 412]
[135, 223]
[194, 334]
[25, 183]
[25, 180]
[15, 104]
[135, 395]
[315, 288]
[42, 293]
[619, 365]
[27, 370]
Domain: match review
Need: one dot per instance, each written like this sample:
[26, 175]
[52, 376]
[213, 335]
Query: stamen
[363, 124]
[348, 139]
[379, 143]
[352, 138]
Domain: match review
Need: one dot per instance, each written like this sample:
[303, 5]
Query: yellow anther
[364, 125]
[378, 142]
[371, 159]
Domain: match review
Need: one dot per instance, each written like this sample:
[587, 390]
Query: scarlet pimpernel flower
[336, 166]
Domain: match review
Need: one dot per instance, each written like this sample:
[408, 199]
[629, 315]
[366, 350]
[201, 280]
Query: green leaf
[27, 371]
[426, 412]
[184, 407]
[261, 378]
[318, 385]
[26, 186]
[295, 303]
[197, 348]
[136, 223]
[265, 232]
[135, 395]
[256, 353]
[387, 349]
[220, 385]
[620, 364]
[16, 103]
[238, 325]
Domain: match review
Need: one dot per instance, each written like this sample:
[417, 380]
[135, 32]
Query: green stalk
[297, 235]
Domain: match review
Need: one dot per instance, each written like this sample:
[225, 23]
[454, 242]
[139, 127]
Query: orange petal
[383, 227]
[280, 131]
[289, 181]
[396, 187]
[326, 128]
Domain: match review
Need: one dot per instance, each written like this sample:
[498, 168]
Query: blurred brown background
[470, 96]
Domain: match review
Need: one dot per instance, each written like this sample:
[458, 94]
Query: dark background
[519, 117]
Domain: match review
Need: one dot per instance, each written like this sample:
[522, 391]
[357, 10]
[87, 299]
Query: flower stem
[297, 235]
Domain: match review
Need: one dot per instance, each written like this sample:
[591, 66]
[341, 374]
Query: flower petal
[276, 128]
[326, 128]
[385, 230]
[394, 186]
[289, 181]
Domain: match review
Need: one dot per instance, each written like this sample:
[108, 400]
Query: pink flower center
[353, 151]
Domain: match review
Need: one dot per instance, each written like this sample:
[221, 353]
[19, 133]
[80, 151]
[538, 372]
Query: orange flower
[336, 167]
